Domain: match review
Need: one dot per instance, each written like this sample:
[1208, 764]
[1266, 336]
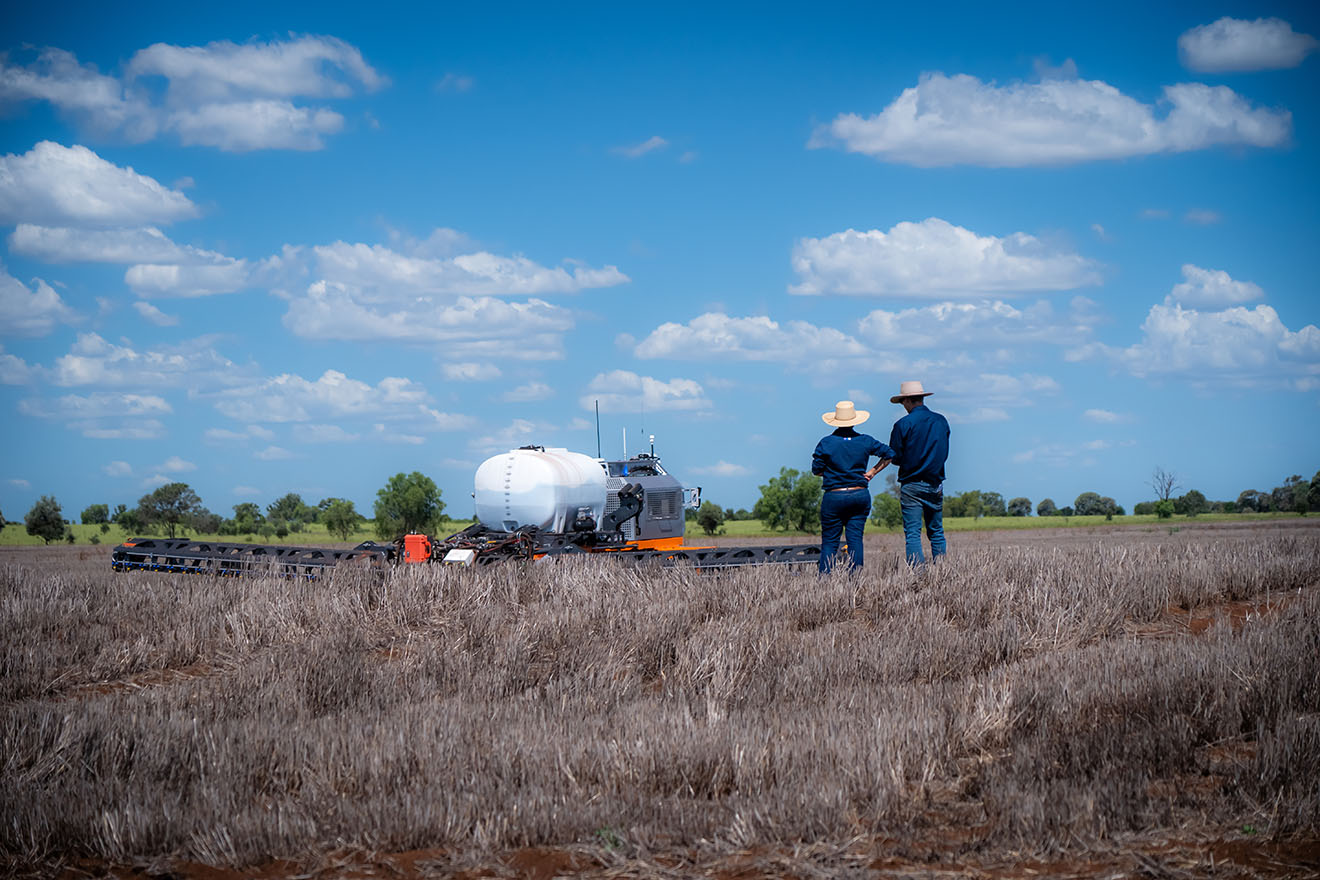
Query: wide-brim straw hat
[910, 389]
[845, 415]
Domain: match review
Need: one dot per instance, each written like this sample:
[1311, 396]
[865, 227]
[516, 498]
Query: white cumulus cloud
[623, 391]
[55, 185]
[154, 315]
[1237, 346]
[291, 398]
[470, 372]
[477, 273]
[98, 404]
[1105, 416]
[64, 244]
[481, 327]
[13, 369]
[977, 325]
[176, 465]
[723, 468]
[1211, 288]
[118, 469]
[194, 364]
[935, 258]
[1232, 44]
[717, 335]
[232, 96]
[30, 311]
[528, 392]
[960, 120]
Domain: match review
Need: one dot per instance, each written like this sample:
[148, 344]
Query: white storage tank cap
[545, 488]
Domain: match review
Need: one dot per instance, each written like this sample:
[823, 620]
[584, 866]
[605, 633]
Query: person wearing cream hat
[840, 460]
[920, 446]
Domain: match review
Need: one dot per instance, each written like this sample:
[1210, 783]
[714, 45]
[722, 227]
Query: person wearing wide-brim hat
[920, 446]
[840, 460]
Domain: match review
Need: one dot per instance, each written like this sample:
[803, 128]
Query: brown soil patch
[142, 680]
[1198, 621]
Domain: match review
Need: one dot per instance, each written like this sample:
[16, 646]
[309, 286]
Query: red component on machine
[416, 548]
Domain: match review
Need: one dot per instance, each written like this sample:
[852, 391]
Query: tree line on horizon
[406, 503]
[791, 500]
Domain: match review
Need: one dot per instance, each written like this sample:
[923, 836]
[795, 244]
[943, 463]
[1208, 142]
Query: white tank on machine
[545, 488]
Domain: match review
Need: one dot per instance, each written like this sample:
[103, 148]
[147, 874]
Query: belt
[848, 489]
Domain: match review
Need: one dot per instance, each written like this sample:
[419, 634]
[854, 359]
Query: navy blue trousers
[843, 512]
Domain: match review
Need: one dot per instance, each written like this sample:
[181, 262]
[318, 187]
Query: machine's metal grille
[663, 504]
[612, 487]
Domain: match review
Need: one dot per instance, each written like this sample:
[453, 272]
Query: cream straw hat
[910, 389]
[845, 415]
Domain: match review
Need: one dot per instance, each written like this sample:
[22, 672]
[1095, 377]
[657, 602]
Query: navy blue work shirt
[841, 458]
[920, 442]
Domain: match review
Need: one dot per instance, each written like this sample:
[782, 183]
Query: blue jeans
[843, 511]
[922, 502]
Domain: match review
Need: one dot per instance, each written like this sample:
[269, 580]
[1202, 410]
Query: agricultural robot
[532, 503]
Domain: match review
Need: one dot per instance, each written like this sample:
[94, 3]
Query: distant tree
[289, 508]
[1190, 503]
[1065, 511]
[68, 536]
[992, 504]
[96, 514]
[1164, 509]
[407, 503]
[247, 518]
[710, 516]
[2, 520]
[1165, 483]
[1284, 497]
[172, 505]
[340, 518]
[128, 520]
[1253, 501]
[1301, 500]
[1019, 507]
[45, 520]
[266, 530]
[281, 529]
[968, 503]
[1094, 504]
[1047, 508]
[105, 528]
[742, 513]
[886, 511]
[204, 522]
[1145, 508]
[1312, 494]
[790, 501]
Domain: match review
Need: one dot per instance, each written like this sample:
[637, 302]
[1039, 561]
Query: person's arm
[885, 454]
[818, 460]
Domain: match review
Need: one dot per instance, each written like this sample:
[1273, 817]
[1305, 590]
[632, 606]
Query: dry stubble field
[1133, 702]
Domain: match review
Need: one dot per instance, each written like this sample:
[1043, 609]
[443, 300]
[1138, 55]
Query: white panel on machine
[545, 488]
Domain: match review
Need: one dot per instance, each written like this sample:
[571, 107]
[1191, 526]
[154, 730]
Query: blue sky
[305, 248]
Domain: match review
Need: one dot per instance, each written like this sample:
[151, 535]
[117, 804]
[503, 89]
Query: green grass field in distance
[14, 534]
